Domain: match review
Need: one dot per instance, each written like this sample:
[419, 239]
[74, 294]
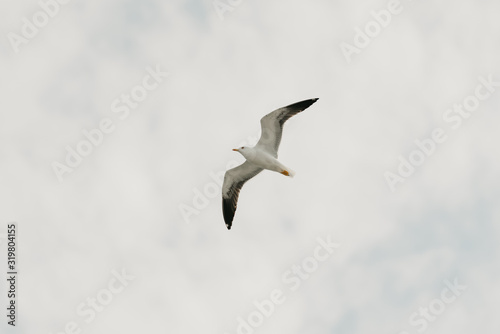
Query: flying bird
[262, 156]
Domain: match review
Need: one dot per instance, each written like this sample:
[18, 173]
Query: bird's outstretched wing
[234, 179]
[272, 125]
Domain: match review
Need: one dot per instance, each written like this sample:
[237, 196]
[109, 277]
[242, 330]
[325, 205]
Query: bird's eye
[242, 147]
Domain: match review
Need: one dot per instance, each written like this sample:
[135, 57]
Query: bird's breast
[263, 160]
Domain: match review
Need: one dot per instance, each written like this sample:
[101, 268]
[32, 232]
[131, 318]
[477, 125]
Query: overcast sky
[117, 122]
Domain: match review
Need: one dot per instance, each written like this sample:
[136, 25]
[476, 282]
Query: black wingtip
[302, 105]
[228, 212]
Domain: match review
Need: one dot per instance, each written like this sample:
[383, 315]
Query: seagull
[262, 156]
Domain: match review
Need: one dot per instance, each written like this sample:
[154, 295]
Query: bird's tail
[288, 172]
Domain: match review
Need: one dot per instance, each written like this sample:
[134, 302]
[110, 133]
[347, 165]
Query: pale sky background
[120, 209]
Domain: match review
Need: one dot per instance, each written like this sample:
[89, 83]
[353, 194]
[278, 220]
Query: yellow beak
[235, 149]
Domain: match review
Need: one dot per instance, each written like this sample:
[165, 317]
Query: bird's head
[244, 150]
[240, 149]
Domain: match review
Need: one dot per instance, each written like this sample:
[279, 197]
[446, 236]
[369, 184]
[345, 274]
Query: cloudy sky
[117, 123]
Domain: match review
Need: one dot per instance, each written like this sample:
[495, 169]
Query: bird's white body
[264, 160]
